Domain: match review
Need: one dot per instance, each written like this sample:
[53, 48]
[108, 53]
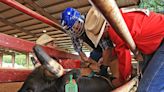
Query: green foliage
[20, 59]
[153, 5]
[7, 58]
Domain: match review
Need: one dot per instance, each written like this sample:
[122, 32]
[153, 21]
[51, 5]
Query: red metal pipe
[30, 12]
[21, 45]
[13, 75]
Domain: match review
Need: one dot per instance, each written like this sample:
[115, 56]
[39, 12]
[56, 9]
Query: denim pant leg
[153, 77]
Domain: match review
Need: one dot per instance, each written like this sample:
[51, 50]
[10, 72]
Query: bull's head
[44, 76]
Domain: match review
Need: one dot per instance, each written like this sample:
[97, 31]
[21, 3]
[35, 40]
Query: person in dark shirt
[74, 23]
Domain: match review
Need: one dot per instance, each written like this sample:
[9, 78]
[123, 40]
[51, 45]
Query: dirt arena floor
[10, 87]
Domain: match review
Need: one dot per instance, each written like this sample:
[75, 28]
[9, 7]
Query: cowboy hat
[94, 26]
[43, 39]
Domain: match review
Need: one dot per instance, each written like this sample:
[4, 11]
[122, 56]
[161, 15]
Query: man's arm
[76, 43]
[78, 48]
[107, 47]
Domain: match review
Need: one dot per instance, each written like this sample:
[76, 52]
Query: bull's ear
[50, 64]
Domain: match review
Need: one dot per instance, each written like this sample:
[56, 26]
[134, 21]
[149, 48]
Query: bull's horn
[52, 65]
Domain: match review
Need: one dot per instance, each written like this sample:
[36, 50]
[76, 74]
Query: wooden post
[13, 59]
[1, 58]
[27, 59]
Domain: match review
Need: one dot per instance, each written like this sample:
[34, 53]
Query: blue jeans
[153, 76]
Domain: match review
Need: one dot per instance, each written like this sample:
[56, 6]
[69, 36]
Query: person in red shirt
[147, 31]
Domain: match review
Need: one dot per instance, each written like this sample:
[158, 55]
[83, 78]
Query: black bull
[42, 80]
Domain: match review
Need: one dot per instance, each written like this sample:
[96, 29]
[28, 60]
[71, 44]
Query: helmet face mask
[78, 28]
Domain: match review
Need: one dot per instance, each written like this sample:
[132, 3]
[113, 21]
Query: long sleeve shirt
[147, 33]
[77, 43]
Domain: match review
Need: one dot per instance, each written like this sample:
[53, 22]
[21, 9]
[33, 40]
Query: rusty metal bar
[13, 75]
[21, 45]
[30, 12]
[111, 13]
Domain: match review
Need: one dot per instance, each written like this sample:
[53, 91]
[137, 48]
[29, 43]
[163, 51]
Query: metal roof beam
[17, 27]
[40, 10]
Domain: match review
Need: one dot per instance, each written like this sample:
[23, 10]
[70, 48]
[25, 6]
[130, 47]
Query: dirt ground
[10, 87]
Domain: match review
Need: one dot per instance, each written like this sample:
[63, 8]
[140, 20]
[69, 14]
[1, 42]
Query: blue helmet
[70, 16]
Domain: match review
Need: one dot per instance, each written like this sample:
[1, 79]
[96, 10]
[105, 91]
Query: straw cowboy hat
[94, 26]
[43, 39]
